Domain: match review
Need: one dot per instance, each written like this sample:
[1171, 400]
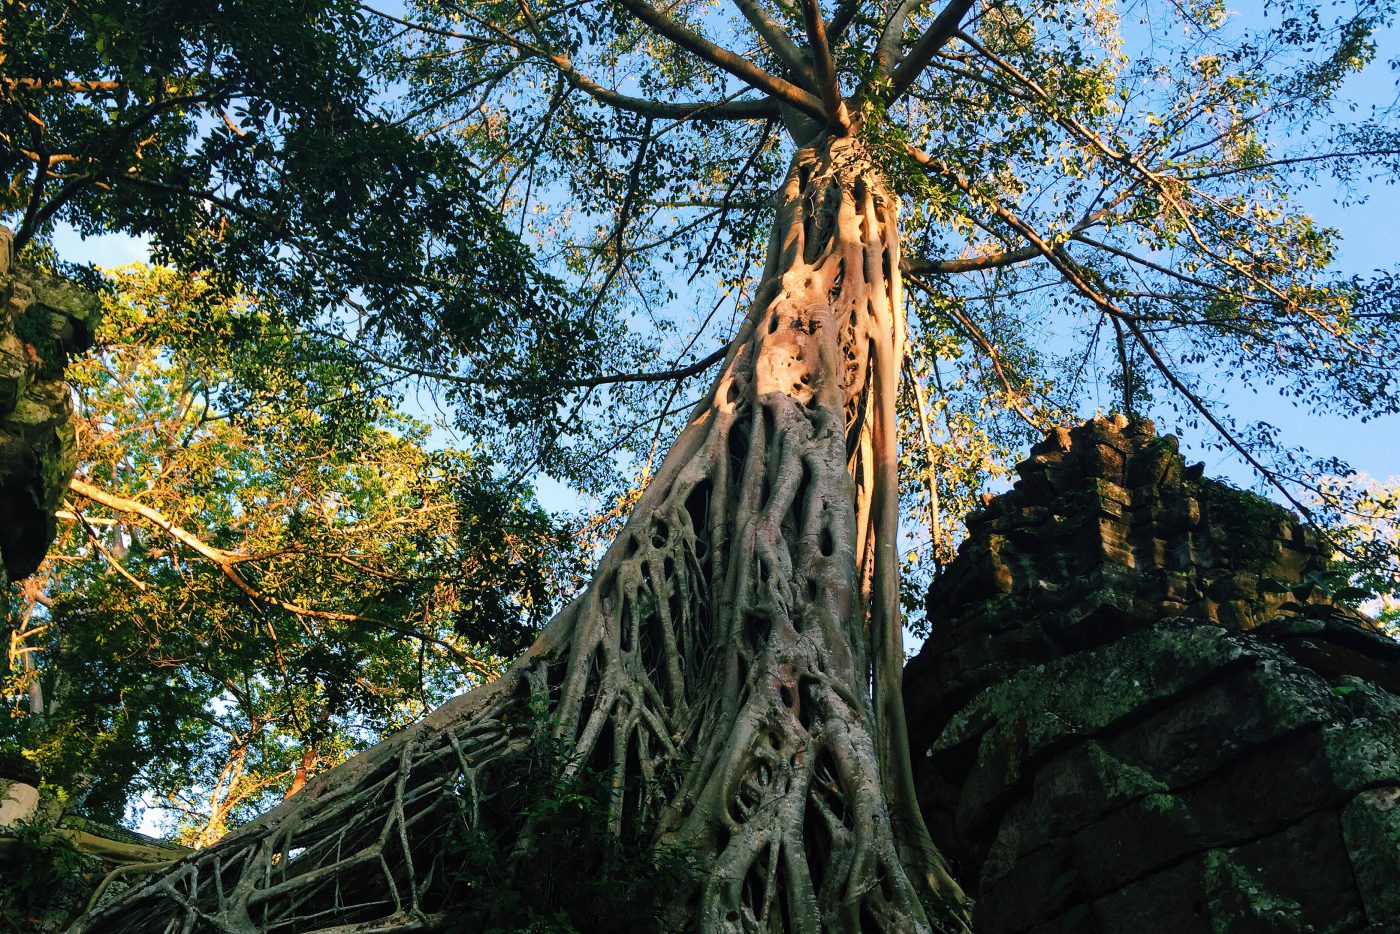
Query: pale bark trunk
[734, 666]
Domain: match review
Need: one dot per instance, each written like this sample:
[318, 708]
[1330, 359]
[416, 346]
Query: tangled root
[732, 671]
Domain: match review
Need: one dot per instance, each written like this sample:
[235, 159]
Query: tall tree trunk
[733, 668]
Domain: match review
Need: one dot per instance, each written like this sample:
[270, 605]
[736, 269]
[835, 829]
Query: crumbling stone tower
[1134, 715]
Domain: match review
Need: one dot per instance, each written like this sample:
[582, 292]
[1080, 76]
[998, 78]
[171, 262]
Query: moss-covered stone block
[1139, 742]
[1371, 827]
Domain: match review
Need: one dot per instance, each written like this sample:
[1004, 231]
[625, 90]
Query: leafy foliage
[251, 141]
[43, 869]
[351, 581]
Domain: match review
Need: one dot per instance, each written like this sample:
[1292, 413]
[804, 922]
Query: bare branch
[692, 369]
[102, 549]
[921, 266]
[841, 21]
[1284, 163]
[724, 204]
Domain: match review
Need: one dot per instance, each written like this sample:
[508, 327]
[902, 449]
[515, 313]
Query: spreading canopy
[254, 141]
[1094, 194]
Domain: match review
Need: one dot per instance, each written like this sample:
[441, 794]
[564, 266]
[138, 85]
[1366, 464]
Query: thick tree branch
[943, 28]
[891, 41]
[154, 516]
[736, 65]
[778, 40]
[825, 70]
[32, 211]
[841, 21]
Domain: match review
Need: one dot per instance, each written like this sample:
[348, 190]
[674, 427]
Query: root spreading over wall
[732, 672]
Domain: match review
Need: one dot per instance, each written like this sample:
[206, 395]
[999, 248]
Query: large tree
[727, 686]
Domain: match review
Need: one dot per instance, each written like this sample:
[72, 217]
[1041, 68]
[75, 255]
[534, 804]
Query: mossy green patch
[1237, 900]
[1087, 691]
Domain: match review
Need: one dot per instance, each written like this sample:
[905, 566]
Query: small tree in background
[261, 568]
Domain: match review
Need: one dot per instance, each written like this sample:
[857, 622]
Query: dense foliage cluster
[261, 567]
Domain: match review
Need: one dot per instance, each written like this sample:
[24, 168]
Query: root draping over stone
[733, 669]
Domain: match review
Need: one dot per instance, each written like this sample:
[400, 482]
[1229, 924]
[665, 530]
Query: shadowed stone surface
[43, 319]
[1133, 716]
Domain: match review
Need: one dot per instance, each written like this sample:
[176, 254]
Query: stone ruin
[43, 319]
[1137, 714]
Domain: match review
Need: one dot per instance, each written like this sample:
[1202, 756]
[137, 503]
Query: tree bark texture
[733, 669]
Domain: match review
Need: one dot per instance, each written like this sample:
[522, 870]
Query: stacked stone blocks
[1132, 716]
